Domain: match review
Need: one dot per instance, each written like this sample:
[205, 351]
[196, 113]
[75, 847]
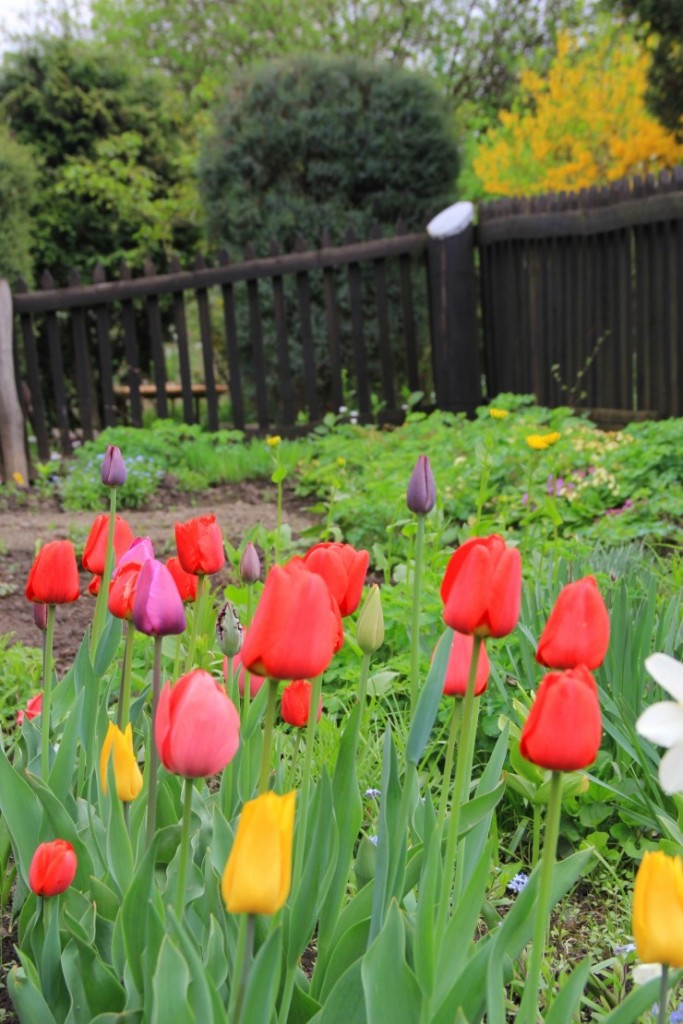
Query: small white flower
[642, 973]
[662, 723]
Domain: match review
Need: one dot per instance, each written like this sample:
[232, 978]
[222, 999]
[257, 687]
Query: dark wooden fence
[582, 296]
[243, 316]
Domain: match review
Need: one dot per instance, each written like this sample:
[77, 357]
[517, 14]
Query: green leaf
[108, 645]
[567, 1001]
[61, 824]
[391, 989]
[64, 765]
[169, 987]
[350, 947]
[264, 980]
[22, 812]
[131, 925]
[429, 700]
[639, 1000]
[202, 995]
[24, 990]
[119, 849]
[391, 843]
[346, 1002]
[93, 986]
[319, 865]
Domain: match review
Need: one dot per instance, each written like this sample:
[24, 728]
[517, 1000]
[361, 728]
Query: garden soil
[30, 522]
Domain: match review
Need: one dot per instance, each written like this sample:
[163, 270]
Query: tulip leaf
[430, 882]
[64, 765]
[93, 986]
[119, 849]
[488, 785]
[458, 939]
[264, 980]
[566, 1003]
[350, 947]
[51, 978]
[640, 1000]
[126, 1017]
[61, 824]
[22, 811]
[391, 842]
[133, 926]
[24, 989]
[109, 644]
[303, 1006]
[429, 699]
[346, 1002]
[169, 987]
[391, 989]
[202, 995]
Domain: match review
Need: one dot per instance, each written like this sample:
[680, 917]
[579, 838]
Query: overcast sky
[22, 16]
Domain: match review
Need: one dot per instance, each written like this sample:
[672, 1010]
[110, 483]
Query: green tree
[18, 179]
[115, 180]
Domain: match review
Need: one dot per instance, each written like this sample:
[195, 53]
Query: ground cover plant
[433, 826]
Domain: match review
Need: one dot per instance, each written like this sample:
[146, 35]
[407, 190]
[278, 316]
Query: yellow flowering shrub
[584, 123]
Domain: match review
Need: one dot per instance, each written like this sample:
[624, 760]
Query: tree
[584, 123]
[18, 178]
[113, 171]
[663, 24]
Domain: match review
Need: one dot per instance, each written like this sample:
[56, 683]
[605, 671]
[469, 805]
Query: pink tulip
[197, 727]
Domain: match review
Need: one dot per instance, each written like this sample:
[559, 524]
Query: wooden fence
[582, 296]
[336, 297]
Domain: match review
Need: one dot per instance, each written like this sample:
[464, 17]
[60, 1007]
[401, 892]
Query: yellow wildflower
[273, 441]
[541, 441]
[499, 414]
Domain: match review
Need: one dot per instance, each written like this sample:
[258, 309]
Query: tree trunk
[11, 419]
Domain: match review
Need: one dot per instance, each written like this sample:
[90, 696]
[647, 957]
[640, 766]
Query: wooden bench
[173, 391]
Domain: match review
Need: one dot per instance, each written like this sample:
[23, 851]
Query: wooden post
[453, 308]
[11, 420]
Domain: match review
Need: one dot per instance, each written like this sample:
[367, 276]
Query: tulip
[200, 545]
[158, 608]
[123, 590]
[127, 773]
[344, 570]
[458, 667]
[229, 630]
[255, 682]
[296, 628]
[114, 471]
[250, 565]
[53, 868]
[40, 616]
[186, 582]
[577, 631]
[563, 729]
[53, 578]
[370, 626]
[139, 551]
[196, 729]
[421, 495]
[258, 873]
[95, 550]
[33, 708]
[658, 909]
[296, 701]
[482, 587]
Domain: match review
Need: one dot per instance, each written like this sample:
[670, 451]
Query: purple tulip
[141, 550]
[158, 608]
[250, 565]
[114, 471]
[40, 616]
[421, 495]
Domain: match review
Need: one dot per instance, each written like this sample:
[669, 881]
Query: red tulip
[200, 545]
[53, 868]
[95, 550]
[186, 582]
[577, 631]
[197, 728]
[482, 587]
[458, 668]
[240, 673]
[296, 701]
[33, 708]
[296, 628]
[564, 726]
[158, 609]
[344, 570]
[53, 578]
[122, 591]
[94, 586]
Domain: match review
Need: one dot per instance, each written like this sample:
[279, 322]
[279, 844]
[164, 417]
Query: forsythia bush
[584, 123]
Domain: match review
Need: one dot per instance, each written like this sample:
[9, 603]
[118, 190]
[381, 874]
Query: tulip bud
[33, 708]
[258, 874]
[421, 495]
[53, 868]
[296, 703]
[40, 616]
[229, 630]
[127, 774]
[250, 565]
[114, 471]
[370, 628]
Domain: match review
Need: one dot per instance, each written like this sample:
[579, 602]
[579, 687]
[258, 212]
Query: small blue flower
[518, 882]
[628, 947]
[374, 840]
[374, 793]
[677, 1015]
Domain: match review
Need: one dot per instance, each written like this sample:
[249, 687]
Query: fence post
[11, 419]
[453, 309]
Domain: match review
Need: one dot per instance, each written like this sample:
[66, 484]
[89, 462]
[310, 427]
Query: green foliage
[109, 146]
[20, 676]
[18, 179]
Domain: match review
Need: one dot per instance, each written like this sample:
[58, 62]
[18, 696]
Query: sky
[21, 16]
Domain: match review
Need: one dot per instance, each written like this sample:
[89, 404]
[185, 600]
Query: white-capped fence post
[453, 309]
[12, 443]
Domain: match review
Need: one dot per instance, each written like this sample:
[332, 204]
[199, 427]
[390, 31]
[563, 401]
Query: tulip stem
[528, 1011]
[311, 726]
[663, 1015]
[184, 848]
[196, 618]
[454, 722]
[153, 755]
[268, 725]
[103, 593]
[415, 617]
[460, 791]
[243, 959]
[469, 753]
[124, 691]
[362, 694]
[536, 836]
[47, 693]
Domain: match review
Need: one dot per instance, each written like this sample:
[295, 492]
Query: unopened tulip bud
[114, 471]
[40, 616]
[229, 630]
[370, 628]
[250, 565]
[421, 495]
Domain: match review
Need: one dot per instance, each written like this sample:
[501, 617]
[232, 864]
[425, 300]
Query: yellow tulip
[658, 909]
[499, 414]
[258, 874]
[126, 770]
